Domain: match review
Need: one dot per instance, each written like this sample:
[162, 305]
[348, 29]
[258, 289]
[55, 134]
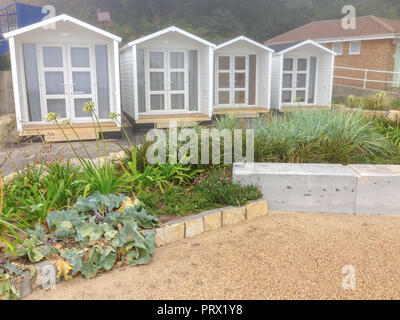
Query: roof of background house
[282, 46]
[332, 29]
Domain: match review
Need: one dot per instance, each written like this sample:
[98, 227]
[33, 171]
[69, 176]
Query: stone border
[169, 233]
[208, 221]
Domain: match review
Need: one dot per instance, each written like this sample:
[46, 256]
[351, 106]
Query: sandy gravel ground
[281, 256]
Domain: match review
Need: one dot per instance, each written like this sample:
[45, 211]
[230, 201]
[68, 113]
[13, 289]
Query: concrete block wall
[325, 188]
[378, 189]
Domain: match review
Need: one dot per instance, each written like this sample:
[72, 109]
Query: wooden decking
[245, 112]
[162, 121]
[295, 108]
[52, 133]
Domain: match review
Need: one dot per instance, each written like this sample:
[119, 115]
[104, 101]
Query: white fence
[364, 80]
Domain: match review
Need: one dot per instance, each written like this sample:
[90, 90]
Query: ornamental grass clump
[322, 136]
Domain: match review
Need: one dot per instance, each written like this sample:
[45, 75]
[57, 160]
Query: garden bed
[89, 215]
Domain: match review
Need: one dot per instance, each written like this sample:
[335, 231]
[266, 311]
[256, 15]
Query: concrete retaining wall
[378, 189]
[317, 188]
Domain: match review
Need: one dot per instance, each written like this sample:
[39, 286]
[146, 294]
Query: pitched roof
[283, 48]
[167, 30]
[332, 29]
[242, 38]
[63, 18]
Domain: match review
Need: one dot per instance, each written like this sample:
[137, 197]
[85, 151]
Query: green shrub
[175, 200]
[395, 104]
[219, 189]
[389, 129]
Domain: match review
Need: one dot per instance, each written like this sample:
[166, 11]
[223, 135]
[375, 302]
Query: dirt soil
[281, 256]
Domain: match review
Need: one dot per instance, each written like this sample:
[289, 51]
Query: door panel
[295, 80]
[157, 82]
[57, 106]
[178, 98]
[68, 77]
[157, 101]
[82, 77]
[240, 79]
[224, 80]
[232, 77]
[53, 57]
[55, 81]
[157, 75]
[168, 81]
[80, 58]
[82, 83]
[177, 101]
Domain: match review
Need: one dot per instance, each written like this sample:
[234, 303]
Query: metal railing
[8, 18]
[365, 80]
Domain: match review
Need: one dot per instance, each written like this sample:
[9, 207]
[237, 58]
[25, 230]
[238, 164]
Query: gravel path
[281, 256]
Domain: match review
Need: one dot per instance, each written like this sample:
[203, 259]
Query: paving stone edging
[169, 233]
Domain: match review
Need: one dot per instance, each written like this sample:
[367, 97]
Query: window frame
[341, 48]
[354, 53]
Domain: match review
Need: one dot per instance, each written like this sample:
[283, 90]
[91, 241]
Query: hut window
[32, 82]
[103, 82]
[193, 80]
[312, 79]
[141, 80]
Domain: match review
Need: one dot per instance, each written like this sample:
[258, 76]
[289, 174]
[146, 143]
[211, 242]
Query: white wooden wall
[127, 82]
[276, 81]
[324, 80]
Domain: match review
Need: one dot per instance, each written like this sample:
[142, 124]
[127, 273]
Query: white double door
[167, 81]
[232, 80]
[68, 79]
[295, 80]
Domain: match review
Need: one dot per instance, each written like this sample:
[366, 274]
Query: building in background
[366, 57]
